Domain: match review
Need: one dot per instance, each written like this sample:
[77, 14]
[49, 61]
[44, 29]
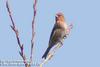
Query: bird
[59, 32]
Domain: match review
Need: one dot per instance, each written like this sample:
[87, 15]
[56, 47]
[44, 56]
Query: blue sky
[80, 49]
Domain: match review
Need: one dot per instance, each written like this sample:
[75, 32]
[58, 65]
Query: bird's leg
[60, 44]
[61, 41]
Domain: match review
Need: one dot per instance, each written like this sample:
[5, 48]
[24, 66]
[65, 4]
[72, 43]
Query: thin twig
[50, 55]
[13, 26]
[33, 32]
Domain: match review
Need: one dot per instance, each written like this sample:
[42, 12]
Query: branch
[50, 55]
[33, 33]
[13, 26]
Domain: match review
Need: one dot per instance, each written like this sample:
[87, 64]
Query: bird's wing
[54, 35]
[55, 27]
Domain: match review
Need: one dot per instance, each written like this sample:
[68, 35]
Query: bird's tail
[46, 52]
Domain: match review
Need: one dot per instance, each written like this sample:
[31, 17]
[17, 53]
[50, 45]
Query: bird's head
[60, 17]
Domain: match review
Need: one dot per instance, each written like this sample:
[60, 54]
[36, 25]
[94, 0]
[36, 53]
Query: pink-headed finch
[59, 32]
